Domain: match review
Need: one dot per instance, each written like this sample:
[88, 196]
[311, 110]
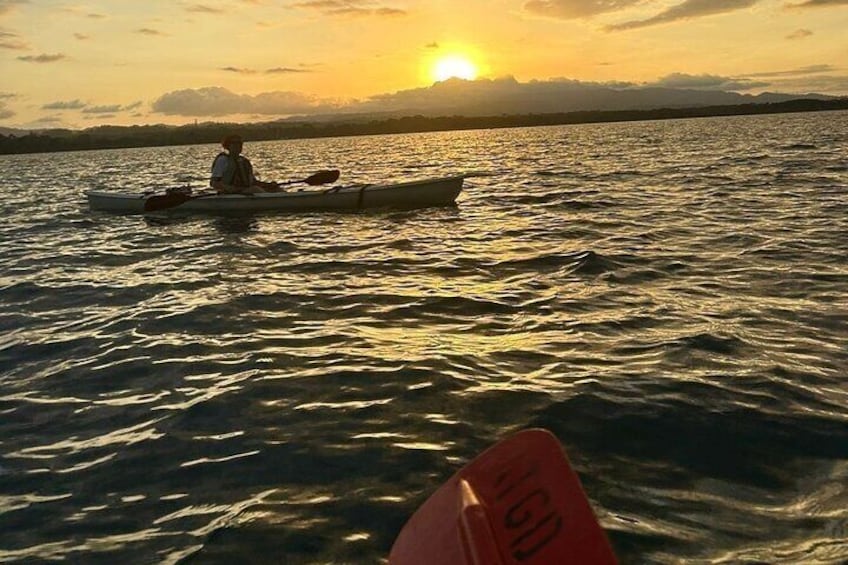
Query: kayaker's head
[232, 143]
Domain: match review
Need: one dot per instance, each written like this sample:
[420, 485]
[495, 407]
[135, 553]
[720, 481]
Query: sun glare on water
[454, 66]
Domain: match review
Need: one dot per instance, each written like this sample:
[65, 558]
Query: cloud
[809, 79]
[239, 70]
[218, 101]
[82, 36]
[571, 9]
[388, 12]
[286, 70]
[809, 70]
[106, 109]
[86, 109]
[706, 82]
[509, 96]
[5, 112]
[65, 105]
[806, 84]
[7, 6]
[49, 120]
[799, 34]
[80, 12]
[348, 8]
[109, 110]
[43, 58]
[204, 9]
[819, 4]
[150, 31]
[275, 70]
[11, 40]
[687, 10]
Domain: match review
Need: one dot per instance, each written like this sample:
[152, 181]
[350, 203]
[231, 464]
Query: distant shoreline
[123, 137]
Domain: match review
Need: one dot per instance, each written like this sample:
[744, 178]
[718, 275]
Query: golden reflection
[204, 460]
[228, 512]
[214, 385]
[441, 419]
[123, 437]
[16, 502]
[411, 343]
[175, 496]
[423, 446]
[87, 464]
[388, 498]
[118, 541]
[350, 405]
[134, 399]
[379, 435]
[220, 437]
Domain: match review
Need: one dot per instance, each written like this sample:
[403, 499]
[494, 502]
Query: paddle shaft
[321, 177]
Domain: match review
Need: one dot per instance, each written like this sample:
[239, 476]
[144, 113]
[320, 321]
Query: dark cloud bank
[490, 97]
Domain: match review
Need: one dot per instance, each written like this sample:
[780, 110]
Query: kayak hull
[407, 195]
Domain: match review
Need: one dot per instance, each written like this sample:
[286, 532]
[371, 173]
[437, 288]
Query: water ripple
[667, 297]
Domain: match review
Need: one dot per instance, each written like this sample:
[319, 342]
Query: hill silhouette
[112, 137]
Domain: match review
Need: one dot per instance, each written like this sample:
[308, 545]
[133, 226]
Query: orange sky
[69, 64]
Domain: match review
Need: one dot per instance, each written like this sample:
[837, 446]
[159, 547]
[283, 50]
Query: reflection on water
[236, 224]
[667, 297]
[225, 224]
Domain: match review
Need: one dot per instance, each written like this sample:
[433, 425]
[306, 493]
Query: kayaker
[232, 172]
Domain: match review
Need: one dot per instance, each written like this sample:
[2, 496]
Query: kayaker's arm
[223, 188]
[268, 186]
[217, 182]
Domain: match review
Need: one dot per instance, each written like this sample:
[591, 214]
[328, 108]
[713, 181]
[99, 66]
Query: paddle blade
[322, 177]
[518, 503]
[165, 201]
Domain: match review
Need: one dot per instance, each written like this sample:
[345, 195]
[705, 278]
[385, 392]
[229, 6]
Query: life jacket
[239, 171]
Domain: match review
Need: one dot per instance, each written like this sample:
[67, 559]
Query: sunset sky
[80, 64]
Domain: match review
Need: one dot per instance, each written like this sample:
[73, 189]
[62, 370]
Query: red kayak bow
[519, 502]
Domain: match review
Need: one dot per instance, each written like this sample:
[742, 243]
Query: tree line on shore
[114, 137]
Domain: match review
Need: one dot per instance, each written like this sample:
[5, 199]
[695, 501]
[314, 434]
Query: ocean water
[669, 298]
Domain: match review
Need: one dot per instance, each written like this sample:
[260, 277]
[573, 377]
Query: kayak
[406, 195]
[519, 502]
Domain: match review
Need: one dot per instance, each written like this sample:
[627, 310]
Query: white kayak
[406, 195]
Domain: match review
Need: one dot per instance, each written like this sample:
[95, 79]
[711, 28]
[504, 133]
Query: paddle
[321, 177]
[519, 502]
[165, 201]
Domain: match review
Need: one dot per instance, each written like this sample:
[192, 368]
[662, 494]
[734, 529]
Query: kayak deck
[407, 195]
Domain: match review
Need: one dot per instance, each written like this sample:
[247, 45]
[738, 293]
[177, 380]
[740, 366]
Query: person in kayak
[232, 172]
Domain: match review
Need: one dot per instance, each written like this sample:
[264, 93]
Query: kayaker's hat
[232, 138]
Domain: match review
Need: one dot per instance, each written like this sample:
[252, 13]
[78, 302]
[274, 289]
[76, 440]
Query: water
[669, 298]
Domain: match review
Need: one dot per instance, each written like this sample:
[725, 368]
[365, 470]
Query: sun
[454, 66]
